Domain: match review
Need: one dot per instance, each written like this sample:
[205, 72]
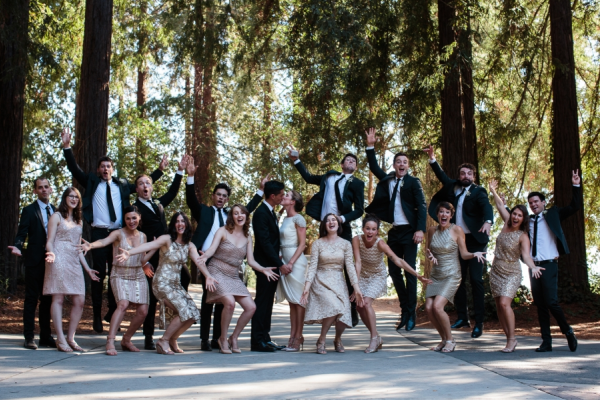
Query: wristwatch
[489, 222]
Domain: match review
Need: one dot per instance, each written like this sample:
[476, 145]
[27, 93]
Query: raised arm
[307, 176]
[371, 157]
[171, 194]
[158, 173]
[498, 201]
[162, 241]
[80, 176]
[87, 246]
[439, 172]
[577, 199]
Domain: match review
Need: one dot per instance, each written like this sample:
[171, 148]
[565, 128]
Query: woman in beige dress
[63, 267]
[177, 308]
[127, 279]
[231, 244]
[369, 250]
[505, 276]
[325, 292]
[444, 242]
[293, 243]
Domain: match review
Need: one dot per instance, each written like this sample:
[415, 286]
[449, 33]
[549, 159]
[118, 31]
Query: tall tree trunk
[565, 141]
[142, 87]
[459, 140]
[267, 136]
[14, 20]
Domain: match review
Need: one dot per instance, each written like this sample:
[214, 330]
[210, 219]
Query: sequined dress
[65, 274]
[373, 274]
[505, 275]
[224, 267]
[445, 275]
[290, 286]
[166, 284]
[328, 295]
[127, 279]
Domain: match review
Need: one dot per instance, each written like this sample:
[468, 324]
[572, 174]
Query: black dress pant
[475, 270]
[400, 240]
[261, 321]
[206, 315]
[102, 262]
[545, 297]
[34, 285]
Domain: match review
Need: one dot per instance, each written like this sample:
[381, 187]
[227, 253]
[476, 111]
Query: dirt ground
[584, 318]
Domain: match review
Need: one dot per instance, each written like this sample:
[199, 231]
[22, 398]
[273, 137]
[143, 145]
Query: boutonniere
[122, 180]
[401, 182]
[467, 193]
[544, 212]
[351, 178]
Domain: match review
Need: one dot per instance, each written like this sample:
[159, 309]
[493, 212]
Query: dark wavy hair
[298, 201]
[447, 206]
[230, 224]
[63, 209]
[134, 209]
[371, 218]
[323, 226]
[187, 234]
[525, 223]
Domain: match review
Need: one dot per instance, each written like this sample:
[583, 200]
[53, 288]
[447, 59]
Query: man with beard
[474, 214]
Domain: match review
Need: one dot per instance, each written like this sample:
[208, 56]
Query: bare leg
[501, 316]
[56, 314]
[442, 318]
[226, 316]
[76, 311]
[300, 312]
[433, 319]
[371, 318]
[117, 317]
[137, 321]
[327, 322]
[249, 308]
[509, 320]
[293, 322]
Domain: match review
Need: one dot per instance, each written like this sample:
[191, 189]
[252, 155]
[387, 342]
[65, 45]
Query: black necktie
[48, 212]
[534, 248]
[111, 207]
[457, 198]
[221, 222]
[338, 195]
[393, 200]
[154, 207]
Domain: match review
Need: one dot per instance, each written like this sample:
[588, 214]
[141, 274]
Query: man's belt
[538, 263]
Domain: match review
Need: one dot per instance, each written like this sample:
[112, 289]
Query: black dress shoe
[412, 321]
[355, 319]
[215, 344]
[149, 343]
[402, 322]
[48, 342]
[98, 324]
[461, 323]
[275, 345]
[30, 344]
[205, 346]
[544, 348]
[572, 340]
[263, 347]
[477, 331]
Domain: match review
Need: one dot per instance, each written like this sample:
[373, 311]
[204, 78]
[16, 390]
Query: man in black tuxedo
[339, 193]
[474, 214]
[209, 220]
[34, 226]
[266, 253]
[154, 224]
[399, 200]
[103, 210]
[548, 242]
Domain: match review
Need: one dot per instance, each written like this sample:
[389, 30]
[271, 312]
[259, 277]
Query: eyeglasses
[73, 197]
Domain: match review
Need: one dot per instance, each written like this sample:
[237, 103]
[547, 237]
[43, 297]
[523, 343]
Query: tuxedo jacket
[266, 238]
[91, 181]
[354, 194]
[154, 224]
[31, 225]
[554, 216]
[476, 206]
[205, 215]
[412, 197]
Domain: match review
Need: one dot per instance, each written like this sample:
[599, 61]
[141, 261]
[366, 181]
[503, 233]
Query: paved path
[404, 369]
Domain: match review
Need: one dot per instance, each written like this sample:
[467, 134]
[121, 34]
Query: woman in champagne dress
[505, 276]
[63, 267]
[444, 243]
[325, 293]
[369, 250]
[231, 244]
[293, 242]
[127, 279]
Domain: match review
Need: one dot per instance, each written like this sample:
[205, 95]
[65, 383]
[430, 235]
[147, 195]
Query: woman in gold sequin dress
[325, 293]
[505, 276]
[127, 279]
[177, 308]
[63, 267]
[443, 244]
[231, 244]
[369, 250]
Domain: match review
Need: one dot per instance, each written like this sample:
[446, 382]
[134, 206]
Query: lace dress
[445, 275]
[166, 284]
[328, 295]
[65, 274]
[290, 286]
[127, 280]
[224, 266]
[373, 274]
[505, 275]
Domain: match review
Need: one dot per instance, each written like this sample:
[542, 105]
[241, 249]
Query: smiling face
[72, 199]
[466, 177]
[444, 216]
[144, 187]
[332, 224]
[536, 204]
[132, 220]
[239, 217]
[371, 231]
[180, 225]
[105, 170]
[516, 218]
[401, 166]
[42, 190]
[220, 198]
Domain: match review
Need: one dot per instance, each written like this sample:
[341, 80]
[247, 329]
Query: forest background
[511, 86]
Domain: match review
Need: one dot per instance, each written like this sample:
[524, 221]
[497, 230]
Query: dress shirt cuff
[370, 147]
[576, 185]
[297, 161]
[260, 193]
[432, 161]
[179, 172]
[190, 180]
[343, 219]
[67, 148]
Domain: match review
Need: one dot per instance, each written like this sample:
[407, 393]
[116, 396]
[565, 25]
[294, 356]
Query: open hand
[480, 256]
[371, 138]
[85, 246]
[183, 163]
[210, 283]
[123, 255]
[271, 276]
[493, 185]
[264, 180]
[65, 137]
[431, 258]
[486, 228]
[15, 251]
[164, 163]
[293, 153]
[536, 272]
[191, 168]
[575, 179]
[93, 274]
[148, 270]
[430, 152]
[50, 257]
[425, 280]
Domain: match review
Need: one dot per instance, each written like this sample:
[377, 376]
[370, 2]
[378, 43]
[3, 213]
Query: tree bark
[14, 21]
[567, 154]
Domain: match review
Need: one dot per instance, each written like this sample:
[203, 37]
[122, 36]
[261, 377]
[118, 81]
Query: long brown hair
[187, 234]
[323, 226]
[63, 209]
[525, 223]
[230, 225]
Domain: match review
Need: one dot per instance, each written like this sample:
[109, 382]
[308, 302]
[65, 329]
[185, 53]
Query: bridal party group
[145, 253]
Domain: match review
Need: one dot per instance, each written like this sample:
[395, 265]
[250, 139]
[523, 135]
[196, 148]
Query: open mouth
[146, 191]
[443, 220]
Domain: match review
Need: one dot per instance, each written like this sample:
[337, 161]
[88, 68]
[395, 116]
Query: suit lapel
[38, 212]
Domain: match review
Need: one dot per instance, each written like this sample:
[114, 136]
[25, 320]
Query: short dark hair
[134, 209]
[525, 223]
[222, 185]
[349, 155]
[103, 159]
[273, 187]
[187, 234]
[39, 178]
[538, 194]
[446, 205]
[371, 218]
[137, 178]
[298, 201]
[323, 226]
[400, 154]
[467, 166]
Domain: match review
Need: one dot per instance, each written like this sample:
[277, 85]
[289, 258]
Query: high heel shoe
[290, 343]
[74, 346]
[110, 346]
[161, 350]
[321, 348]
[377, 347]
[128, 346]
[450, 346]
[508, 349]
[223, 350]
[234, 350]
[338, 346]
[439, 347]
[297, 345]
